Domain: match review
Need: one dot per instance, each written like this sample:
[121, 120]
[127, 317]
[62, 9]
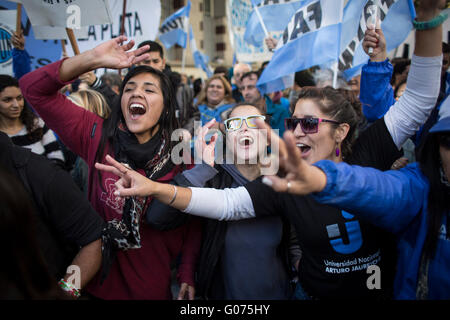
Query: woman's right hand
[271, 43]
[131, 183]
[374, 38]
[203, 149]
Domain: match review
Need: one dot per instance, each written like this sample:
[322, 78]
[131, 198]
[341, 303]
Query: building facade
[209, 24]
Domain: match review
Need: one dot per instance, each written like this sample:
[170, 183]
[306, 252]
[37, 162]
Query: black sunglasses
[309, 125]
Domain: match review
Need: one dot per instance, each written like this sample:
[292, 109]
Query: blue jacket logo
[353, 232]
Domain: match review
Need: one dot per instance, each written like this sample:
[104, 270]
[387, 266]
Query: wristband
[174, 195]
[430, 24]
[70, 288]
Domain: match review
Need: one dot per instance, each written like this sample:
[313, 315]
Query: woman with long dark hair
[24, 273]
[24, 127]
[137, 258]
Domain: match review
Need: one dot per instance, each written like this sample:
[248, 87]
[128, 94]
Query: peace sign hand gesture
[131, 183]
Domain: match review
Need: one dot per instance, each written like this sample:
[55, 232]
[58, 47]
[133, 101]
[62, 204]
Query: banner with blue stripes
[275, 15]
[311, 38]
[396, 22]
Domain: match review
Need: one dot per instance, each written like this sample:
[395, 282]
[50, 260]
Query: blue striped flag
[274, 13]
[309, 39]
[396, 22]
[174, 29]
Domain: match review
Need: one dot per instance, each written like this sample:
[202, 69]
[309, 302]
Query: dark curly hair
[339, 106]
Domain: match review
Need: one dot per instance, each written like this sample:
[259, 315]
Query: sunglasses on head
[308, 125]
[235, 123]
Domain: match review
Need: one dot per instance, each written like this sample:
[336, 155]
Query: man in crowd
[238, 71]
[275, 112]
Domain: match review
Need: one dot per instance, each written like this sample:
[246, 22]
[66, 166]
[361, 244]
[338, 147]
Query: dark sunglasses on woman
[309, 125]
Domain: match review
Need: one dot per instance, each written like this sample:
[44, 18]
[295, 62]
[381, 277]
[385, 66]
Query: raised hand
[88, 77]
[131, 183]
[110, 54]
[18, 40]
[374, 38]
[428, 9]
[271, 43]
[206, 150]
[113, 54]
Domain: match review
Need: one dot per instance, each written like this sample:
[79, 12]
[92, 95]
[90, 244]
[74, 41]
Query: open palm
[113, 54]
[206, 150]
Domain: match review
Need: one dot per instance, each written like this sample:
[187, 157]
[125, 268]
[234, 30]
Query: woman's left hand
[301, 178]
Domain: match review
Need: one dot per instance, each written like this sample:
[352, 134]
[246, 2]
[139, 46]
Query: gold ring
[288, 186]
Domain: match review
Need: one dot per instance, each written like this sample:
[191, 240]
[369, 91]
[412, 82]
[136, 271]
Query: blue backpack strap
[223, 108]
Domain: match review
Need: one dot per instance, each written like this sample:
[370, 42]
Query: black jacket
[65, 220]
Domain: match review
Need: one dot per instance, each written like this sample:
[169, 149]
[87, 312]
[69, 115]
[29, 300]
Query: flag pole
[335, 74]
[336, 64]
[374, 19]
[261, 21]
[73, 41]
[63, 47]
[19, 18]
[183, 59]
[122, 25]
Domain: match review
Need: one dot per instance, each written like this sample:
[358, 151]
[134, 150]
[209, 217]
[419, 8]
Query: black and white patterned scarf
[152, 156]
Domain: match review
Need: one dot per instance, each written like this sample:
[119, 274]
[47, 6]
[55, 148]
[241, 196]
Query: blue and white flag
[274, 13]
[201, 60]
[174, 30]
[396, 22]
[311, 38]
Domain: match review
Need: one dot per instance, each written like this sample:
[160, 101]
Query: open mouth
[303, 148]
[246, 141]
[136, 110]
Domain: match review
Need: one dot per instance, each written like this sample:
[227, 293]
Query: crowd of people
[95, 207]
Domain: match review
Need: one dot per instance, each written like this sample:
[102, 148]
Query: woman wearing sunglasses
[246, 259]
[337, 247]
[413, 203]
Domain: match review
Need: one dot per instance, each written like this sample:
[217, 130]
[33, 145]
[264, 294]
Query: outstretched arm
[423, 83]
[228, 204]
[388, 199]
